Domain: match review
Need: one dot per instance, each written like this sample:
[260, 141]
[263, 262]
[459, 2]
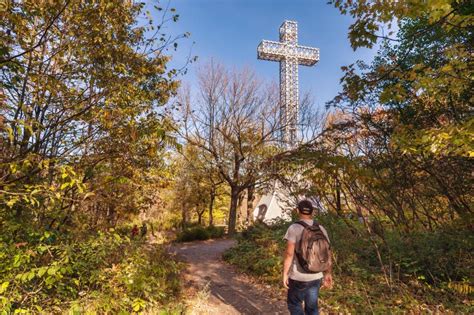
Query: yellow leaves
[26, 276]
[438, 9]
[450, 140]
[13, 168]
[41, 271]
[447, 68]
[461, 287]
[121, 68]
[10, 134]
[12, 201]
[4, 287]
[370, 16]
[83, 85]
[88, 195]
[70, 180]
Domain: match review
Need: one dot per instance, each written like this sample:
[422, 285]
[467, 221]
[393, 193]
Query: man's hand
[285, 281]
[327, 281]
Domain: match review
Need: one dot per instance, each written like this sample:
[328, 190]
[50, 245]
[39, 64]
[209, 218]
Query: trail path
[229, 292]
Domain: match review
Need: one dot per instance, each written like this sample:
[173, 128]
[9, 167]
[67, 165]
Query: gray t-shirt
[293, 234]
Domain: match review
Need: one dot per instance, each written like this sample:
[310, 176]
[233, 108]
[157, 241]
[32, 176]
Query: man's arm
[287, 261]
[327, 279]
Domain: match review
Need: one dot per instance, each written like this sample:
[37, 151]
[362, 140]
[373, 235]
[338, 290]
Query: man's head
[305, 207]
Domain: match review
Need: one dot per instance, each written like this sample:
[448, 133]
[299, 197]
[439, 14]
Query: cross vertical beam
[290, 55]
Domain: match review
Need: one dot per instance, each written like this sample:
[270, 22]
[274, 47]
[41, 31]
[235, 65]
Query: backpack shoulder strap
[320, 226]
[302, 223]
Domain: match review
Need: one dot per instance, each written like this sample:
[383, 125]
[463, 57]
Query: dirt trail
[229, 292]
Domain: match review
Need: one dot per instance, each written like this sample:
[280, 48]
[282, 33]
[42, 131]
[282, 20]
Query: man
[302, 287]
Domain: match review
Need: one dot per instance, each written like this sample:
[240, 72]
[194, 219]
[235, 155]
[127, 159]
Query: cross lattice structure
[290, 55]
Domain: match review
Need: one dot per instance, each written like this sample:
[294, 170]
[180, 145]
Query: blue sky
[230, 30]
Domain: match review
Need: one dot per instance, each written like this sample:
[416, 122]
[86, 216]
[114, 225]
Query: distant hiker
[305, 267]
[134, 231]
[143, 230]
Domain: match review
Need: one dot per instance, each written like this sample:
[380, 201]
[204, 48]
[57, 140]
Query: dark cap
[305, 207]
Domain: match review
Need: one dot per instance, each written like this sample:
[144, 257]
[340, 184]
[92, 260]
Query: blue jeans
[300, 292]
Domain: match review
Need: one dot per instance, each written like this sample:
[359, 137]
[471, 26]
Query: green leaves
[41, 271]
[373, 16]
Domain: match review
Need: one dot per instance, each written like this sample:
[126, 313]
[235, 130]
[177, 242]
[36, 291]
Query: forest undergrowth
[426, 272]
[105, 272]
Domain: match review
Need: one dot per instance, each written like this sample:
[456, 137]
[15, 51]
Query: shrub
[216, 231]
[201, 233]
[104, 272]
[259, 251]
[437, 257]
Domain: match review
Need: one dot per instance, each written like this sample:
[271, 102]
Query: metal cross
[290, 55]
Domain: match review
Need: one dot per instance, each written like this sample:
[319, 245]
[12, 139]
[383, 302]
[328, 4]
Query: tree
[372, 17]
[197, 185]
[424, 71]
[82, 86]
[401, 137]
[421, 87]
[397, 149]
[234, 123]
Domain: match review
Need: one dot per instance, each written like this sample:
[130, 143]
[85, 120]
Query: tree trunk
[111, 214]
[338, 197]
[240, 211]
[184, 217]
[200, 213]
[234, 201]
[211, 208]
[250, 200]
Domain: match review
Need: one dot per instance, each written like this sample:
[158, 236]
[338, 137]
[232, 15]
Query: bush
[259, 251]
[216, 231]
[199, 233]
[437, 257]
[104, 272]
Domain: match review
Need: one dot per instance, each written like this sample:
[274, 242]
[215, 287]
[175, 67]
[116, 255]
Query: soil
[226, 290]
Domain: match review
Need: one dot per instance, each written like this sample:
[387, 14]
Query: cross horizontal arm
[270, 50]
[277, 51]
[307, 56]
